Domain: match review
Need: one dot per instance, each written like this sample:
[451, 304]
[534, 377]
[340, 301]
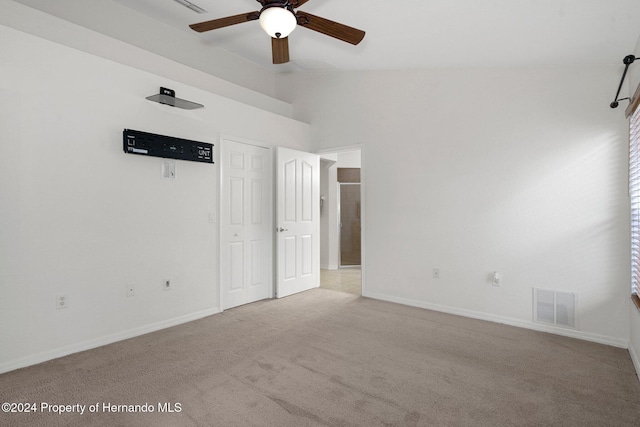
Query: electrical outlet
[62, 301]
[167, 285]
[436, 273]
[131, 290]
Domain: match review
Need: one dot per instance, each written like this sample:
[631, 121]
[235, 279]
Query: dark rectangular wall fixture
[351, 175]
[151, 144]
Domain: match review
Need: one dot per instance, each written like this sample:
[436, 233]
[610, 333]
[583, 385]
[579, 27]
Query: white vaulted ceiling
[409, 34]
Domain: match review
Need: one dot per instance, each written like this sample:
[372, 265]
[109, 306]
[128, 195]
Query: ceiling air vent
[191, 6]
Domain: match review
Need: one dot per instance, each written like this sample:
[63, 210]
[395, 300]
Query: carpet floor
[325, 358]
[347, 280]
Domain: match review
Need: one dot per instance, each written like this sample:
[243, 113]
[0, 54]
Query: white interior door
[246, 221]
[297, 221]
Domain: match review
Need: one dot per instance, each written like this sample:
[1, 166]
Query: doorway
[341, 221]
[247, 201]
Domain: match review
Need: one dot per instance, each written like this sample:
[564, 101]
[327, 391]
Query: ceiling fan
[278, 19]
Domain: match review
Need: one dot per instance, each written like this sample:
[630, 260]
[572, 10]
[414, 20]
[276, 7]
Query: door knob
[282, 229]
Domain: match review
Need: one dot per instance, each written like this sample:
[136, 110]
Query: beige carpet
[343, 280]
[328, 358]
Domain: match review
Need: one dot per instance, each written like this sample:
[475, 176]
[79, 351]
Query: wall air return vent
[555, 308]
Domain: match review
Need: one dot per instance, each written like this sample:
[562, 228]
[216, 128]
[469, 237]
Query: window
[634, 195]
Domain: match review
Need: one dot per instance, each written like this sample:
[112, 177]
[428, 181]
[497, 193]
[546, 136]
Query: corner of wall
[634, 339]
[635, 360]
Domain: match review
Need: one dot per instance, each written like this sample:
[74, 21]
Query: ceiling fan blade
[330, 28]
[224, 22]
[298, 3]
[280, 50]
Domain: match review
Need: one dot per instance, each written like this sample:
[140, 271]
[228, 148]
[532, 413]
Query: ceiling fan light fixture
[278, 22]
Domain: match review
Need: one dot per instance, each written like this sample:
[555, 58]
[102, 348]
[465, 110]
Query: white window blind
[634, 194]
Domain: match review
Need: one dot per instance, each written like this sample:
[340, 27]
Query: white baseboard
[104, 340]
[600, 339]
[329, 267]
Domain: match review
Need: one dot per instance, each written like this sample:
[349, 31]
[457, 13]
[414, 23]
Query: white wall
[521, 171]
[634, 342]
[217, 71]
[80, 217]
[634, 314]
[123, 23]
[329, 256]
[349, 159]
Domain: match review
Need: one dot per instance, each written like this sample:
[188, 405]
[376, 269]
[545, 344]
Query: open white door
[246, 221]
[297, 222]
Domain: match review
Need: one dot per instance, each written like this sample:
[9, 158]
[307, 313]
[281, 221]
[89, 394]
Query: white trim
[600, 339]
[634, 318]
[328, 267]
[343, 149]
[363, 209]
[246, 141]
[339, 221]
[221, 139]
[104, 340]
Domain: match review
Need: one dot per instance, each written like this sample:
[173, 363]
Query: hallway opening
[341, 220]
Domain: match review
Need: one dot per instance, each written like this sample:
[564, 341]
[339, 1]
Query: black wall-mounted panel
[151, 144]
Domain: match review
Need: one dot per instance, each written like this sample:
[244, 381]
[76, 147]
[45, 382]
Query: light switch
[497, 278]
[169, 169]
